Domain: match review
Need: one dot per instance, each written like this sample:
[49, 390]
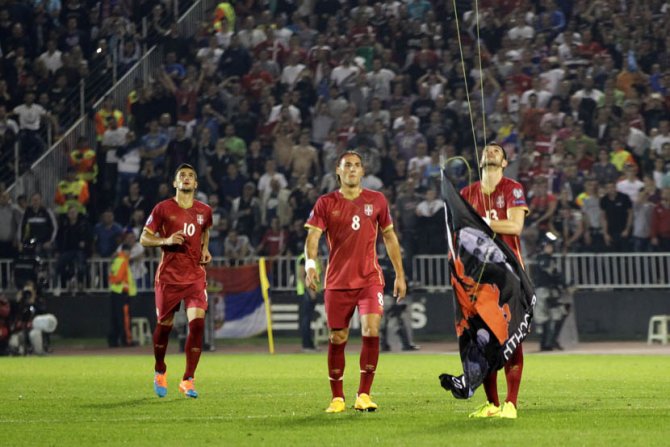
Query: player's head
[349, 169]
[185, 178]
[493, 155]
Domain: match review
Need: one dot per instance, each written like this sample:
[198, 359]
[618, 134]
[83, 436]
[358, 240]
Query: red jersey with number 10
[351, 228]
[508, 194]
[180, 264]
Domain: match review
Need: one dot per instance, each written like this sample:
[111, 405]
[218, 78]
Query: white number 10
[189, 229]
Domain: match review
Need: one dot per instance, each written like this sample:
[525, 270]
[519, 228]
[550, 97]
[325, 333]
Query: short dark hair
[185, 166]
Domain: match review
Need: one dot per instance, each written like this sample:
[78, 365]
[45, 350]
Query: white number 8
[356, 223]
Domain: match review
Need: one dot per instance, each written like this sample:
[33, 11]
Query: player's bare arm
[149, 239]
[513, 224]
[311, 252]
[393, 250]
[206, 256]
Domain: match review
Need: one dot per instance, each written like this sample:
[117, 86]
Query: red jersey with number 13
[351, 228]
[508, 194]
[180, 264]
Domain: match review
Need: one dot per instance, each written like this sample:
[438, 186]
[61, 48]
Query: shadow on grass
[129, 403]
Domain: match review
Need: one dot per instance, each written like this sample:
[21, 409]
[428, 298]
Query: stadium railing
[51, 166]
[583, 270]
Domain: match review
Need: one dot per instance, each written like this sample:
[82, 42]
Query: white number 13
[492, 214]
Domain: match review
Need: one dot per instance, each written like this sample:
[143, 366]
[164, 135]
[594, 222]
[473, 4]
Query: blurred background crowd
[264, 97]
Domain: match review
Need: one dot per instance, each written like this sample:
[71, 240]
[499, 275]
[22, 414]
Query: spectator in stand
[236, 247]
[616, 218]
[604, 171]
[134, 200]
[231, 185]
[10, 220]
[154, 145]
[102, 116]
[630, 184]
[83, 160]
[567, 223]
[220, 226]
[107, 234]
[643, 210]
[113, 139]
[128, 165]
[73, 244]
[274, 241]
[72, 192]
[30, 117]
[660, 223]
[180, 150]
[245, 212]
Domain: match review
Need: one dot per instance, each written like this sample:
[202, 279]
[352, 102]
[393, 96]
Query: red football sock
[161, 337]
[193, 348]
[513, 371]
[336, 368]
[368, 363]
[491, 388]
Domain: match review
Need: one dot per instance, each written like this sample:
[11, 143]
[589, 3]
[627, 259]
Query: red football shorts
[340, 304]
[168, 297]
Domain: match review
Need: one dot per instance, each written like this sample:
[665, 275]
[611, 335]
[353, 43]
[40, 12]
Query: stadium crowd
[262, 101]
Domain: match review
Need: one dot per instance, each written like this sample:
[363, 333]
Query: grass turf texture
[254, 399]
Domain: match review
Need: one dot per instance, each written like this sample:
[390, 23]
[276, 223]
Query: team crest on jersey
[517, 193]
[367, 209]
[500, 202]
[200, 218]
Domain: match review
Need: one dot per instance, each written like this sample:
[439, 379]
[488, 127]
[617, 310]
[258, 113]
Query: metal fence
[583, 270]
[431, 272]
[50, 168]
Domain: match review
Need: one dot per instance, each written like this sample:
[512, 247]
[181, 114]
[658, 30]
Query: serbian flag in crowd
[493, 296]
[238, 297]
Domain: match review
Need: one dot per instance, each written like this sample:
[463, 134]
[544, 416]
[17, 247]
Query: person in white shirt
[30, 119]
[343, 71]
[419, 162]
[543, 95]
[662, 138]
[520, 30]
[630, 184]
[291, 71]
[380, 79]
[210, 55]
[588, 91]
[430, 205]
[52, 57]
[270, 174]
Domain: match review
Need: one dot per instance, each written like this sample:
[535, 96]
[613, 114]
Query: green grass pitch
[256, 399]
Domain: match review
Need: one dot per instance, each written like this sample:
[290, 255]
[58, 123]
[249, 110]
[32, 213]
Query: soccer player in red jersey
[180, 226]
[352, 218]
[502, 204]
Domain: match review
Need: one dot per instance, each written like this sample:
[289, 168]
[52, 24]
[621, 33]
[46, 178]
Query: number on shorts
[380, 298]
[189, 229]
[356, 223]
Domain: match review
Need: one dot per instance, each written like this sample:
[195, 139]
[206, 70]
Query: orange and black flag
[493, 296]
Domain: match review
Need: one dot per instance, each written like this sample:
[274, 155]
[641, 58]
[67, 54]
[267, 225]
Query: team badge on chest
[367, 209]
[500, 202]
[200, 218]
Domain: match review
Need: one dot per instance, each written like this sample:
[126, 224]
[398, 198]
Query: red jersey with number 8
[351, 228]
[180, 264]
[508, 194]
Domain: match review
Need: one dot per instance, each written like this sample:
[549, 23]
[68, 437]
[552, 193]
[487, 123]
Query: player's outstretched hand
[176, 238]
[311, 279]
[206, 257]
[399, 289]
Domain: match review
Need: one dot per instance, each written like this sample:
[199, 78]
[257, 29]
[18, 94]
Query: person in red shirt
[180, 227]
[502, 204]
[352, 217]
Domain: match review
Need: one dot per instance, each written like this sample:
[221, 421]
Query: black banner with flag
[493, 296]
